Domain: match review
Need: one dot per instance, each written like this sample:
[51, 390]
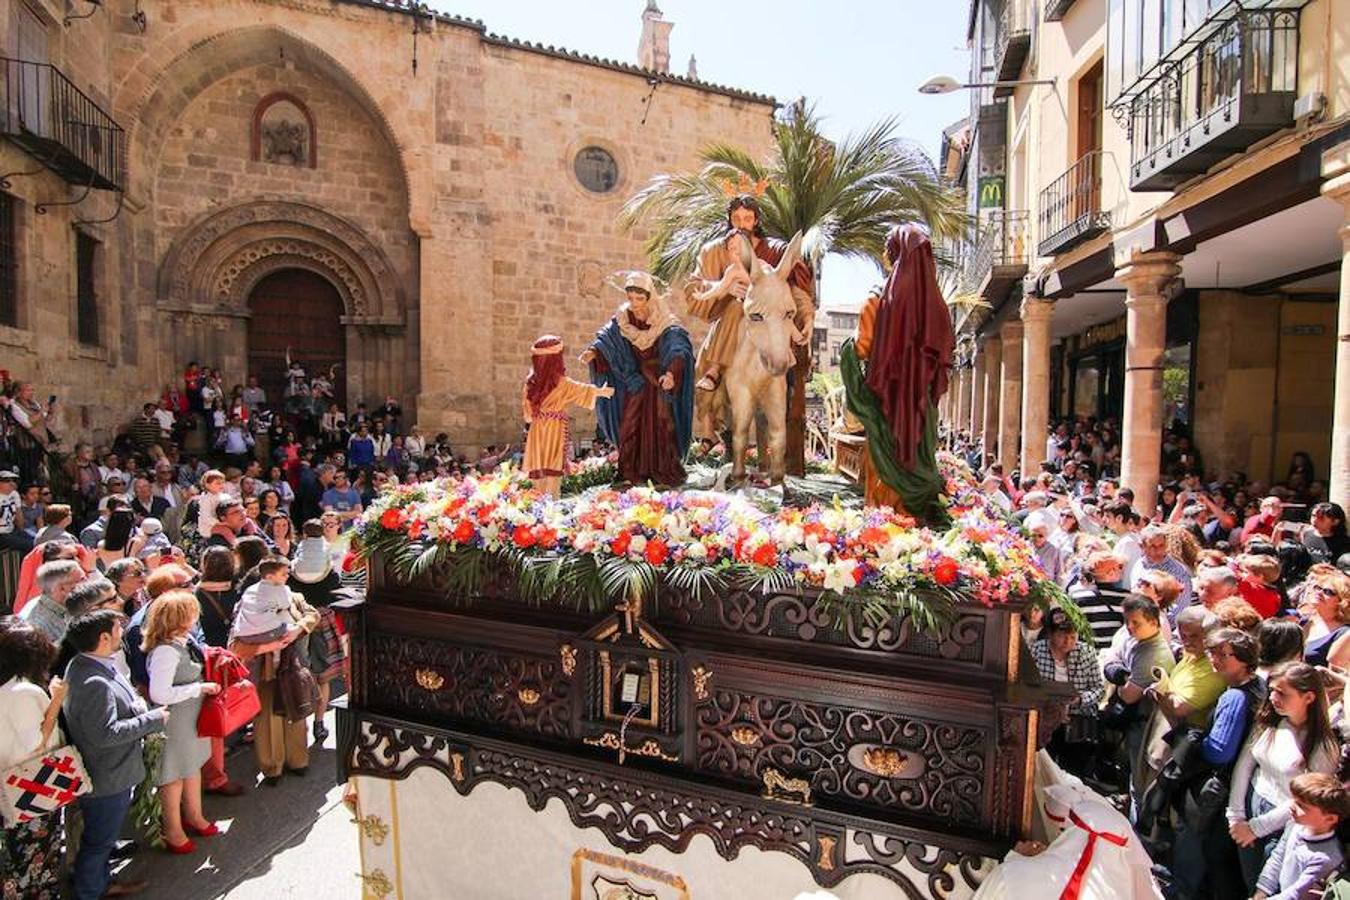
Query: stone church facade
[404, 195]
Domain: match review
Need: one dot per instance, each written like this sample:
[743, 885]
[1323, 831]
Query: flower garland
[677, 536]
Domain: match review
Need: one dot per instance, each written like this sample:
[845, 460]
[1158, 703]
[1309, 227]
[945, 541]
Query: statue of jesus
[715, 295]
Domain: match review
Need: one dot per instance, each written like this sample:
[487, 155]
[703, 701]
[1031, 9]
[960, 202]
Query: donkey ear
[791, 256]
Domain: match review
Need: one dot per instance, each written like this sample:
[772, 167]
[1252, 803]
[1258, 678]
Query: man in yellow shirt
[1193, 687]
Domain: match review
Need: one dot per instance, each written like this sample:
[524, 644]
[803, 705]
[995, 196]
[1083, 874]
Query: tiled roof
[413, 7]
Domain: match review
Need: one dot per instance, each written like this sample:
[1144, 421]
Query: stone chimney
[693, 68]
[654, 48]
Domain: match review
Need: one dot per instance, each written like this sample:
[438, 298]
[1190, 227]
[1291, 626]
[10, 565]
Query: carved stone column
[1145, 277]
[1036, 316]
[993, 388]
[1336, 166]
[1010, 403]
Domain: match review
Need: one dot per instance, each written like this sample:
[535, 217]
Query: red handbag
[237, 703]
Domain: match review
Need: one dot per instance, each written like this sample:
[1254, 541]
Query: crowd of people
[143, 564]
[1207, 688]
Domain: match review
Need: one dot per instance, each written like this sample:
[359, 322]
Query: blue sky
[859, 60]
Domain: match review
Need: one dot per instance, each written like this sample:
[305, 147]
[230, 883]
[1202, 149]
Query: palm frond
[843, 197]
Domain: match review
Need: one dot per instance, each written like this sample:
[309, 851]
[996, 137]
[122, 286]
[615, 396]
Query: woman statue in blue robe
[646, 355]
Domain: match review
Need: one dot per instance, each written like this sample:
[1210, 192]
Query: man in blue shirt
[361, 449]
[343, 499]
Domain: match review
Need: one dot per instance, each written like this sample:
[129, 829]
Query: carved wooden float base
[636, 808]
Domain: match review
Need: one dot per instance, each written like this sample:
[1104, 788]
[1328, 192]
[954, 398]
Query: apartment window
[9, 263]
[86, 295]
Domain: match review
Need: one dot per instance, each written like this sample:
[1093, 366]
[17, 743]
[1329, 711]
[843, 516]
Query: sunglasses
[1323, 591]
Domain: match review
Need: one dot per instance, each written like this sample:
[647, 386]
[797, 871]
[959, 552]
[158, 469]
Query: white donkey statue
[756, 380]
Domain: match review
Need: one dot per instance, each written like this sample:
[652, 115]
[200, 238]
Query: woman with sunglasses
[1325, 601]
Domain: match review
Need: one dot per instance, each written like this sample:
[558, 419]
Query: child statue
[548, 392]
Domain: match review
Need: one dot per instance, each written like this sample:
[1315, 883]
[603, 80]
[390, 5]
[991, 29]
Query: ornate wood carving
[803, 617]
[523, 693]
[742, 736]
[636, 810]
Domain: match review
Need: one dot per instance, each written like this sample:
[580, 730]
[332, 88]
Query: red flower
[872, 536]
[463, 532]
[546, 537]
[523, 537]
[485, 513]
[945, 571]
[765, 556]
[619, 546]
[657, 551]
[416, 528]
[392, 519]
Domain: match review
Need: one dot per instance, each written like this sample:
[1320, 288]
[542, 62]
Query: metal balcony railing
[1055, 10]
[1233, 88]
[1002, 242]
[1071, 207]
[57, 123]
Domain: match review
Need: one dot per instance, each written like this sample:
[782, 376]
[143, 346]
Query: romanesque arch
[215, 262]
[154, 95]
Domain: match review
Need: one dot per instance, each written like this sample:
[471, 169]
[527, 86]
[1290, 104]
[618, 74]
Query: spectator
[144, 503]
[13, 535]
[166, 488]
[314, 482]
[1153, 543]
[107, 721]
[145, 430]
[280, 537]
[1061, 657]
[231, 523]
[1258, 576]
[1308, 852]
[213, 486]
[1096, 596]
[33, 507]
[176, 683]
[361, 448]
[1263, 523]
[1325, 536]
[48, 612]
[1234, 612]
[1292, 735]
[1133, 673]
[1327, 628]
[392, 414]
[1280, 641]
[128, 578]
[344, 500]
[1214, 583]
[1194, 685]
[253, 396]
[276, 481]
[1204, 854]
[236, 442]
[1039, 526]
[28, 726]
[58, 519]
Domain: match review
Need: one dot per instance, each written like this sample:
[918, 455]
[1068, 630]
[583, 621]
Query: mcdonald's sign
[991, 192]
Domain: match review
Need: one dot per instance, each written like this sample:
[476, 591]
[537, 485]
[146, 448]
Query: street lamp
[945, 84]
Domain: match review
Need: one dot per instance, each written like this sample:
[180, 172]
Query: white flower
[696, 550]
[636, 546]
[839, 575]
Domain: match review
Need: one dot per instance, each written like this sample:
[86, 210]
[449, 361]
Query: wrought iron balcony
[1232, 89]
[1071, 207]
[998, 258]
[57, 123]
[1055, 10]
[1014, 43]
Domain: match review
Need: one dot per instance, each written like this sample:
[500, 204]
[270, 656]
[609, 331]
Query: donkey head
[769, 308]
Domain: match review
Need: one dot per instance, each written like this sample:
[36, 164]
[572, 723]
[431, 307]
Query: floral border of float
[606, 545]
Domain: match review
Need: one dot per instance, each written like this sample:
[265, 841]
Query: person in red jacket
[1258, 576]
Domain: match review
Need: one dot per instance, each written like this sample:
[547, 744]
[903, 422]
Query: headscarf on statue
[625, 375]
[912, 346]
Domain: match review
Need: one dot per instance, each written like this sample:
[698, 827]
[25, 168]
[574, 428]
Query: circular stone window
[596, 170]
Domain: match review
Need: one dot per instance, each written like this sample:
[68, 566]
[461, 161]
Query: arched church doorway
[299, 310]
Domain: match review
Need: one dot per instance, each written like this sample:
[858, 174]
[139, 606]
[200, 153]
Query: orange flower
[657, 551]
[547, 537]
[463, 532]
[392, 519]
[619, 546]
[765, 555]
[523, 537]
[945, 571]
